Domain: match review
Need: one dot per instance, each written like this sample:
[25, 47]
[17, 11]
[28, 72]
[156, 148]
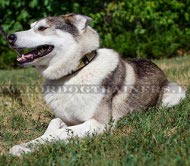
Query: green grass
[158, 136]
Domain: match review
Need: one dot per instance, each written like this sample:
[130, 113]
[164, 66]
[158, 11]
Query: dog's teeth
[23, 57]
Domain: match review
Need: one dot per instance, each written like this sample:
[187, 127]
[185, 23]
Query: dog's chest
[73, 107]
[76, 99]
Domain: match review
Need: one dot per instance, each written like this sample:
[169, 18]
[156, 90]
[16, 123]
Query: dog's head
[56, 42]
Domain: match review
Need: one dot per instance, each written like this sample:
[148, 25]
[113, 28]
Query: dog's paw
[18, 150]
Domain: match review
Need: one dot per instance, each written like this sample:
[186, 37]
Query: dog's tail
[172, 94]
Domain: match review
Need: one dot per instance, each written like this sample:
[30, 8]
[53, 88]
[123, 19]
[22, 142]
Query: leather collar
[86, 59]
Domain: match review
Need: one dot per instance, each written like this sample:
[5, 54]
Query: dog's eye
[41, 28]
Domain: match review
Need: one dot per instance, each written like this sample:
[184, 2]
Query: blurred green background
[151, 29]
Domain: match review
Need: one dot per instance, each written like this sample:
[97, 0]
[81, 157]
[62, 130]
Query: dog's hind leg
[172, 94]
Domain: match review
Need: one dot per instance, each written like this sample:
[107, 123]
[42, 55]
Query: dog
[65, 50]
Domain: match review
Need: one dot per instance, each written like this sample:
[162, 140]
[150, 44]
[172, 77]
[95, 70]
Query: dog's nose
[11, 38]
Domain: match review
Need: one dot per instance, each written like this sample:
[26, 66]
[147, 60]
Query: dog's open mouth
[36, 53]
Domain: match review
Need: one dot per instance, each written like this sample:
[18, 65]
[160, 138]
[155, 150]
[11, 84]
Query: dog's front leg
[54, 125]
[89, 127]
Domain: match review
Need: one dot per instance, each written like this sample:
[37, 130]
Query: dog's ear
[80, 21]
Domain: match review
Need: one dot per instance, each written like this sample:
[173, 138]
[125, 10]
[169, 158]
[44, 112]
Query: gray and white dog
[66, 52]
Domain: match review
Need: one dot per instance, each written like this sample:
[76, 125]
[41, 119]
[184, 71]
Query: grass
[158, 136]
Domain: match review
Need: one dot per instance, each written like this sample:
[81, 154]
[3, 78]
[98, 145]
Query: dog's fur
[128, 85]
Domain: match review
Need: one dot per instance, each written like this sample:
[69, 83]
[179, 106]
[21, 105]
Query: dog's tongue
[25, 57]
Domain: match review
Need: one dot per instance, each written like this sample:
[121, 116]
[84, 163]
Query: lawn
[157, 136]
